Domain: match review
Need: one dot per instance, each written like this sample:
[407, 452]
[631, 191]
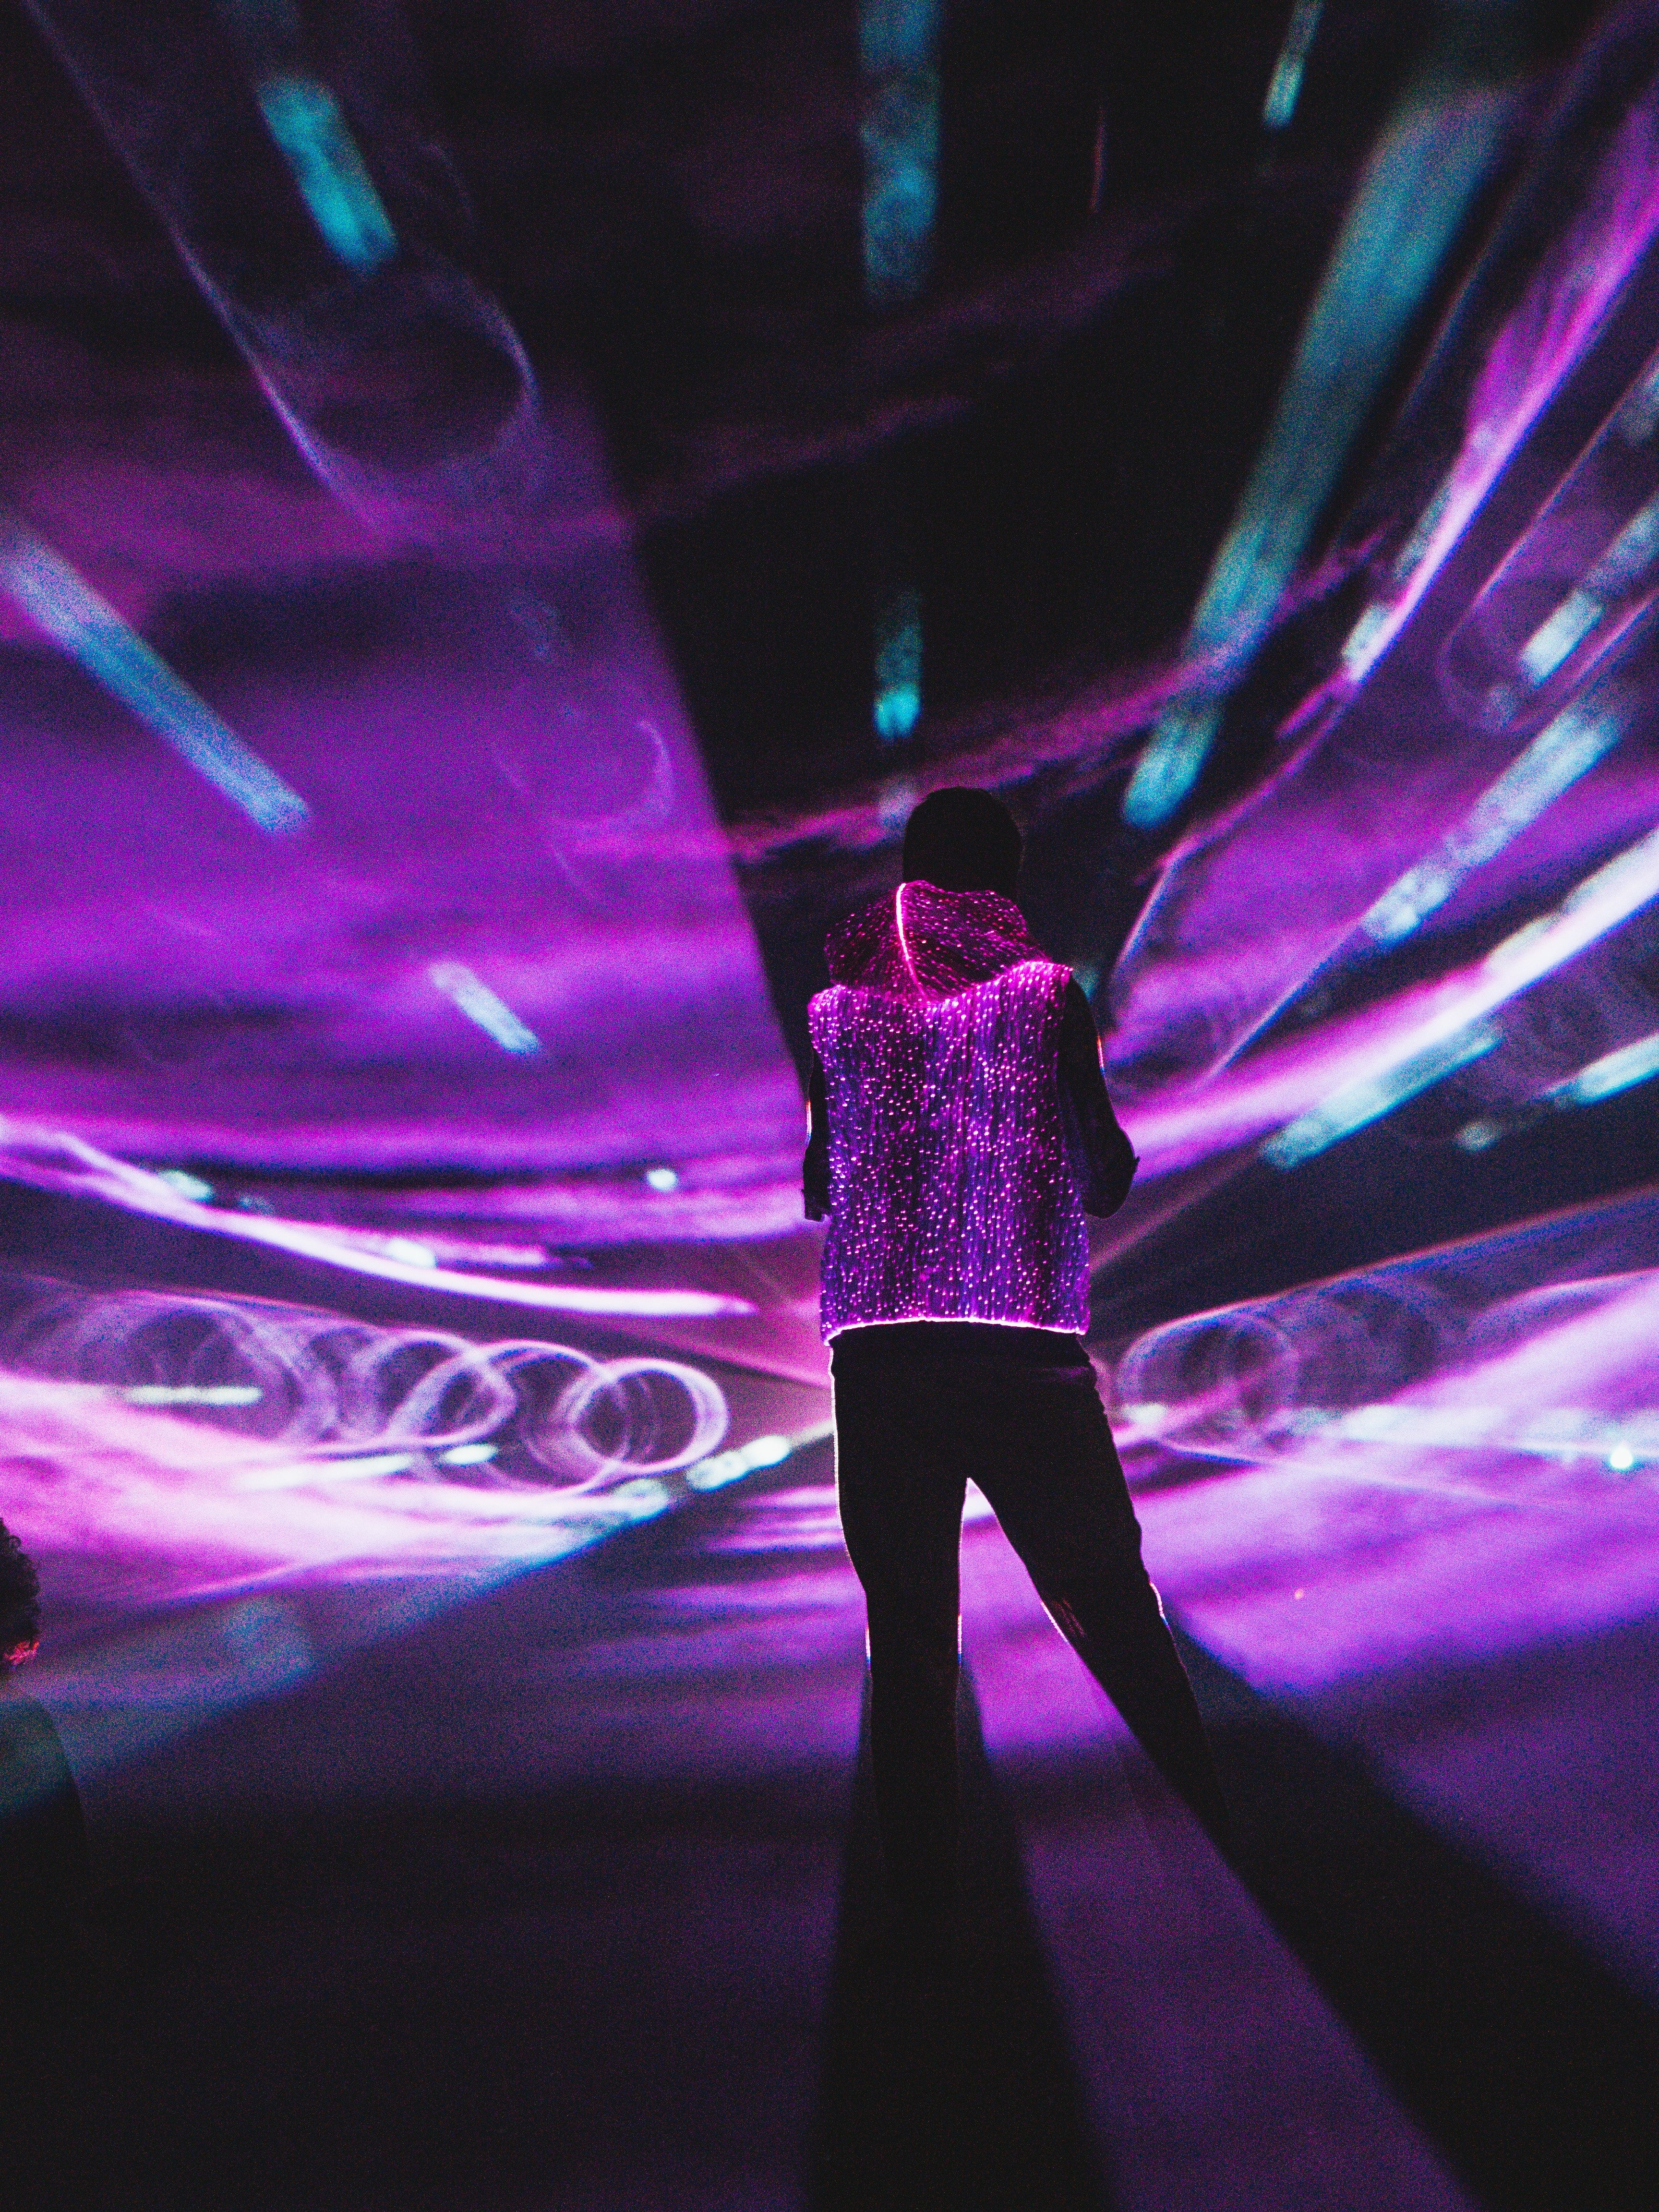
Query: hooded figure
[963, 1126]
[960, 1131]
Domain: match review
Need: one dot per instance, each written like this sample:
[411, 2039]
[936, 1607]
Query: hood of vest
[922, 943]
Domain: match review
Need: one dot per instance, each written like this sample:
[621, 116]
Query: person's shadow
[948, 2091]
[1531, 2066]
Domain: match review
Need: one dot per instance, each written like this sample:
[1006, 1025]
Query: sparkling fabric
[951, 1193]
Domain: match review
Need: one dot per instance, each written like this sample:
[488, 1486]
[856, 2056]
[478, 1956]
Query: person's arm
[815, 1167]
[1103, 1158]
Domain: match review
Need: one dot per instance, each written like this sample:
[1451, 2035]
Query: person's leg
[900, 1493]
[1045, 1460]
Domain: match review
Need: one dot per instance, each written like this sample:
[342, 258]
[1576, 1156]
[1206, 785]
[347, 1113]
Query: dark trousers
[920, 1408]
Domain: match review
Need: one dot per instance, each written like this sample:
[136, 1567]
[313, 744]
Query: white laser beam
[480, 1004]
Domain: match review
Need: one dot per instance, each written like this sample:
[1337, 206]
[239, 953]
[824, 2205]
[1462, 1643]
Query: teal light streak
[73, 617]
[1620, 568]
[1433, 155]
[898, 55]
[1563, 752]
[1556, 639]
[764, 1451]
[1613, 1072]
[1287, 85]
[1363, 642]
[898, 666]
[1458, 1030]
[897, 711]
[1361, 1104]
[304, 118]
[1170, 766]
[1601, 1079]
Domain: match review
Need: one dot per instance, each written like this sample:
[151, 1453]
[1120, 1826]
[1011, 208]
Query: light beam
[1620, 568]
[73, 617]
[1433, 155]
[1287, 85]
[1452, 1035]
[55, 1160]
[304, 118]
[898, 42]
[1360, 1104]
[479, 1004]
[1564, 750]
[898, 666]
[1613, 1072]
[1542, 342]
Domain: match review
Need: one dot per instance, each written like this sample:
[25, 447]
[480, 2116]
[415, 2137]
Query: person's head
[19, 1601]
[962, 841]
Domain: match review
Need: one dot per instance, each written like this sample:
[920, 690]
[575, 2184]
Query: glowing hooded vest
[951, 1193]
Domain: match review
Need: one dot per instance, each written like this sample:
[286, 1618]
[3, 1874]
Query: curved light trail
[51, 1159]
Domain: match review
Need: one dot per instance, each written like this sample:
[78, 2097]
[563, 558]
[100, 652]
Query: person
[960, 1129]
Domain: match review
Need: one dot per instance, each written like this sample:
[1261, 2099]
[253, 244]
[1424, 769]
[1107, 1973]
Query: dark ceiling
[1047, 444]
[668, 198]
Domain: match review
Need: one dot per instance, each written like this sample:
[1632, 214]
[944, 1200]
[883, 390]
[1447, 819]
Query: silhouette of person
[960, 1130]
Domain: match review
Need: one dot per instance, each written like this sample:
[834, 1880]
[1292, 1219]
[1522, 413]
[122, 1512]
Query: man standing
[960, 1130]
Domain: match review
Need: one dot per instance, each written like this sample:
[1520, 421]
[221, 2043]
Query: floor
[510, 1848]
[554, 1895]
